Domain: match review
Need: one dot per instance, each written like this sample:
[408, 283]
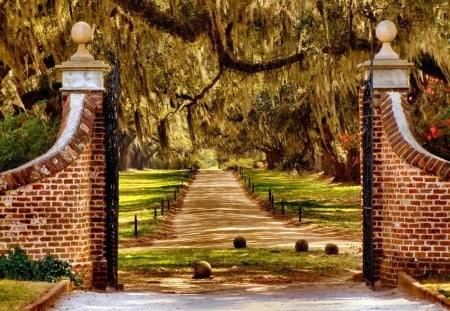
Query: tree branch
[194, 100]
[248, 67]
[188, 29]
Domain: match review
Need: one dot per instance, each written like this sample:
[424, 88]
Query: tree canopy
[278, 76]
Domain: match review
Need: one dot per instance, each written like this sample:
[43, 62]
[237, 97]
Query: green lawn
[140, 193]
[14, 295]
[284, 264]
[323, 203]
[438, 283]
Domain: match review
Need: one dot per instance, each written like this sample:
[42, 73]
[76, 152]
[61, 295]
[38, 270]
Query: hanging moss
[213, 56]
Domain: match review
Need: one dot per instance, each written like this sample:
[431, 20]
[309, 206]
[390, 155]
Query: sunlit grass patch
[323, 203]
[276, 262]
[14, 295]
[141, 193]
[438, 283]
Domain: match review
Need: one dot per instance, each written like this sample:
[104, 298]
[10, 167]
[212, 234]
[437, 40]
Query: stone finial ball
[202, 270]
[386, 31]
[81, 33]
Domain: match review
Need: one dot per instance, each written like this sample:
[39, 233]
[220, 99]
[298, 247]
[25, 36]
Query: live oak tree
[278, 76]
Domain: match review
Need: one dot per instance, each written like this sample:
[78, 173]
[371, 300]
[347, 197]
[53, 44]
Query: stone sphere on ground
[239, 242]
[331, 249]
[202, 270]
[301, 245]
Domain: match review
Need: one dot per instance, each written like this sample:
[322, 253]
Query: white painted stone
[73, 120]
[82, 80]
[390, 78]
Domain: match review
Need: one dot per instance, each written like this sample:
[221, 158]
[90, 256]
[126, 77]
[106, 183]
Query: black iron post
[135, 226]
[367, 187]
[110, 112]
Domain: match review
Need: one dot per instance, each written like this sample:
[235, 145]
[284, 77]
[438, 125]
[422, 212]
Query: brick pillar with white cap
[411, 188]
[83, 74]
[55, 204]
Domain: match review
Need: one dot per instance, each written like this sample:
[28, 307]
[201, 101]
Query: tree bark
[273, 157]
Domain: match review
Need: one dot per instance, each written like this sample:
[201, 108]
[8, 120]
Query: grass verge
[14, 295]
[238, 266]
[323, 203]
[439, 283]
[141, 193]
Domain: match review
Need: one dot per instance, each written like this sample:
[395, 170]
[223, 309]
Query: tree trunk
[349, 171]
[273, 157]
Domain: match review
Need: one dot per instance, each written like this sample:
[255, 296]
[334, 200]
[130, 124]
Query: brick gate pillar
[390, 74]
[411, 188]
[83, 74]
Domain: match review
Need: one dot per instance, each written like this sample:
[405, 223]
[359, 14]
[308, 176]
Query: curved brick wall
[396, 122]
[74, 135]
[55, 203]
[411, 202]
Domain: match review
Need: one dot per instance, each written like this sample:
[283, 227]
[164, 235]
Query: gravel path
[311, 297]
[215, 210]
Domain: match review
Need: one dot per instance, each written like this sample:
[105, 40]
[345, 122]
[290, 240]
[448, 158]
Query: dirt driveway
[216, 209]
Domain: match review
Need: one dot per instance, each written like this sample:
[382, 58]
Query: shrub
[239, 242]
[17, 266]
[431, 115]
[331, 249]
[24, 137]
[202, 270]
[301, 246]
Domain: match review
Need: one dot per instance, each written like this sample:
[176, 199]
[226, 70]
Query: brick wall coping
[76, 126]
[396, 124]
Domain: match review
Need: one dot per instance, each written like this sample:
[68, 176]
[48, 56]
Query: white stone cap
[82, 71]
[389, 71]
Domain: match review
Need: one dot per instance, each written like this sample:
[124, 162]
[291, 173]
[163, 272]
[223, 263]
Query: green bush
[24, 137]
[17, 266]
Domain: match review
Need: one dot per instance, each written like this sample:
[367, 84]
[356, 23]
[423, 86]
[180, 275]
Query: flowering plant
[349, 141]
[432, 116]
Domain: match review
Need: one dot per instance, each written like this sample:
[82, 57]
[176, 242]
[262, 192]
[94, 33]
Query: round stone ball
[202, 270]
[301, 245]
[239, 242]
[81, 33]
[386, 31]
[331, 249]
